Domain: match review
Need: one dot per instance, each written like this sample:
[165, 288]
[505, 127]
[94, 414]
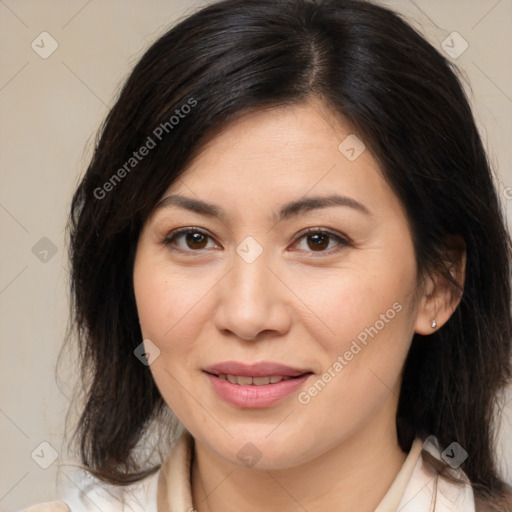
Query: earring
[433, 324]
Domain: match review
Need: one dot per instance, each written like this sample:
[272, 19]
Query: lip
[253, 396]
[262, 369]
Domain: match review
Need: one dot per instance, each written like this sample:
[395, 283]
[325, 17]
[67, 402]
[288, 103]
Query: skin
[201, 303]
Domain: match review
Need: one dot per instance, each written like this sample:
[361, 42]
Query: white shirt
[415, 489]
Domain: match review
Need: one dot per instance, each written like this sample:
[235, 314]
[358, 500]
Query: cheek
[172, 305]
[164, 301]
[363, 360]
[371, 316]
[167, 316]
[154, 302]
[376, 298]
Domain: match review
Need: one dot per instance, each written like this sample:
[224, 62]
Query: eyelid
[323, 231]
[343, 240]
[183, 231]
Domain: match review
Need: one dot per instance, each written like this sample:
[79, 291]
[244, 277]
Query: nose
[252, 300]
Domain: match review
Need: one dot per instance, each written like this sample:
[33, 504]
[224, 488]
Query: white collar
[415, 488]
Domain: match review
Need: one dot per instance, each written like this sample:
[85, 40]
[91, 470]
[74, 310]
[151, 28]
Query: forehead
[276, 156]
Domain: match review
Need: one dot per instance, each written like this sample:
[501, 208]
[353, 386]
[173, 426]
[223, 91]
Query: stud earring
[433, 324]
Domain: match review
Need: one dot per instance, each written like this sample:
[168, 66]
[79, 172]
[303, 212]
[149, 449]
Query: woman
[282, 239]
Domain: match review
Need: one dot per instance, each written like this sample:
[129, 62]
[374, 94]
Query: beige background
[50, 111]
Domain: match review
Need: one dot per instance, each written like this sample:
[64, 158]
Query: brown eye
[195, 239]
[319, 241]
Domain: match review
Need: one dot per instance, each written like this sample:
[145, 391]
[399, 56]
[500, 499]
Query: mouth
[246, 380]
[255, 391]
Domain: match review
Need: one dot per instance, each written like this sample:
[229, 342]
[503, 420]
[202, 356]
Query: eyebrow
[288, 210]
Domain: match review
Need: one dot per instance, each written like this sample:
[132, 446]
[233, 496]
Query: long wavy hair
[405, 100]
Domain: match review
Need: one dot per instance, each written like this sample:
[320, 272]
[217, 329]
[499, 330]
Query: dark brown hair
[403, 99]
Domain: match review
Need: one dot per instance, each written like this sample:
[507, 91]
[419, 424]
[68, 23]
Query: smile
[243, 380]
[254, 392]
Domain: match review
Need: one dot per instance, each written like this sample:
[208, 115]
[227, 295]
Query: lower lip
[255, 396]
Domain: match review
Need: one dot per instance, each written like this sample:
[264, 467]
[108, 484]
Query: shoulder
[426, 489]
[84, 493]
[87, 494]
[450, 496]
[49, 506]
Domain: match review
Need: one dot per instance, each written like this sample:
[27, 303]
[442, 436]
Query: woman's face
[249, 285]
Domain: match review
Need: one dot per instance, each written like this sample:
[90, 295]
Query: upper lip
[262, 369]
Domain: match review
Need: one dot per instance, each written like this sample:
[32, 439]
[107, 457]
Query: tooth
[243, 380]
[260, 381]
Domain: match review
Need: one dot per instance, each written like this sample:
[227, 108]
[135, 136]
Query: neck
[353, 475]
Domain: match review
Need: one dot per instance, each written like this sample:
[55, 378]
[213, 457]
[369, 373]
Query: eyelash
[343, 242]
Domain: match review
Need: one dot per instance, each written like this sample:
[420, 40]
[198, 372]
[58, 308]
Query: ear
[440, 297]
